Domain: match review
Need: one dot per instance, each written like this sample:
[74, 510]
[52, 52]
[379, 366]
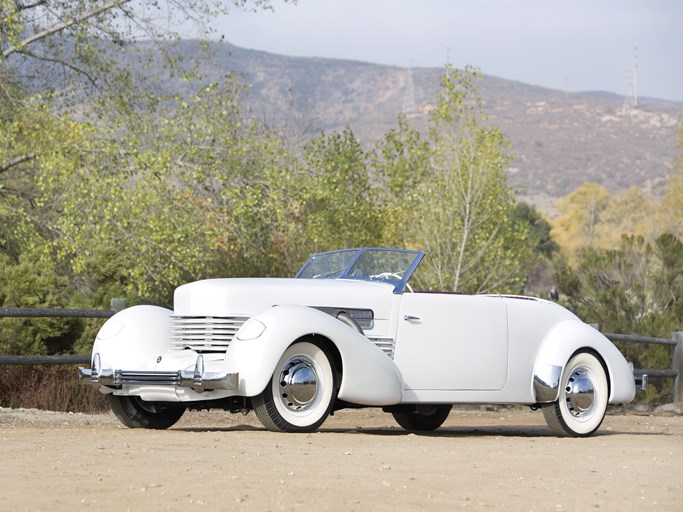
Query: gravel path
[359, 460]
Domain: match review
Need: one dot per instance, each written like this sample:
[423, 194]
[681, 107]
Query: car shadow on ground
[480, 431]
[528, 431]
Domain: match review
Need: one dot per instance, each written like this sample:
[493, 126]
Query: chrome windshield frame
[345, 272]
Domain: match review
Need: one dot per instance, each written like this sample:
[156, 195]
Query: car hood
[249, 297]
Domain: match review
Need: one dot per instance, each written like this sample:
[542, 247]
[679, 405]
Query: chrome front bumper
[197, 379]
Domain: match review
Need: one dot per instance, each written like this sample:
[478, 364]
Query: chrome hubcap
[298, 383]
[579, 392]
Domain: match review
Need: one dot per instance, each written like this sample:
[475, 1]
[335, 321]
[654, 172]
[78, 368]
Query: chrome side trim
[364, 318]
[547, 383]
[196, 379]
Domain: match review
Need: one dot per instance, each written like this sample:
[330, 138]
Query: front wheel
[582, 402]
[134, 412]
[301, 392]
[422, 418]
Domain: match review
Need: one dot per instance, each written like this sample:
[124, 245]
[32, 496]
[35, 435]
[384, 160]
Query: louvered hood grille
[204, 334]
[386, 345]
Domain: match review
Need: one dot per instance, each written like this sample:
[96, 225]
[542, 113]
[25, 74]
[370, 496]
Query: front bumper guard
[197, 379]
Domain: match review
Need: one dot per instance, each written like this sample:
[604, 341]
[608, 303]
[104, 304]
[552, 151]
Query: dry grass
[53, 388]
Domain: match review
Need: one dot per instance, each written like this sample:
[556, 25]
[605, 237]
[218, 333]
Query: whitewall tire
[582, 402]
[301, 392]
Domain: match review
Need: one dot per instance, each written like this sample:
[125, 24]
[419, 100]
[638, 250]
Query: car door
[452, 342]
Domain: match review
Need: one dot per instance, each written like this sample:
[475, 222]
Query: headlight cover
[251, 330]
[110, 329]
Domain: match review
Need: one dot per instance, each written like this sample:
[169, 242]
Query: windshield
[392, 265]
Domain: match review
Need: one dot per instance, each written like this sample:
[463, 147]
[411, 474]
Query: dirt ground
[359, 460]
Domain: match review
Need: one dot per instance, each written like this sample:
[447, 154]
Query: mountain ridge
[560, 140]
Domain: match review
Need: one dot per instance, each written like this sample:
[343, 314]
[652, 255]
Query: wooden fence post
[677, 364]
[118, 304]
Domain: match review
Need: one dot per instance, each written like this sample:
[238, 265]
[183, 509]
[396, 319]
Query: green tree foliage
[540, 239]
[672, 202]
[69, 59]
[631, 288]
[465, 206]
[339, 202]
[31, 282]
[172, 196]
[635, 288]
[540, 266]
[592, 217]
[579, 215]
[76, 41]
[96, 169]
[206, 190]
[33, 143]
[401, 165]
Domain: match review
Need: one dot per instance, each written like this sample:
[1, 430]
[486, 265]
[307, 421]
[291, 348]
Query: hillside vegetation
[559, 140]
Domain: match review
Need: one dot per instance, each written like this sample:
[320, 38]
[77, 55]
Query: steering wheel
[385, 275]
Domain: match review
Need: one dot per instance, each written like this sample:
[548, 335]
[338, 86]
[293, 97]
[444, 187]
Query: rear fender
[369, 376]
[565, 339]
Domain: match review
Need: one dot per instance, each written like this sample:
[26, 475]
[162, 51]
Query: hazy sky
[572, 45]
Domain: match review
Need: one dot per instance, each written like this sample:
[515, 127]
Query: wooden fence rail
[116, 306]
[676, 371]
[676, 341]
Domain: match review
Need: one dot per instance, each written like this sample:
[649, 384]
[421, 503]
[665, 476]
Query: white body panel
[134, 338]
[452, 342]
[368, 376]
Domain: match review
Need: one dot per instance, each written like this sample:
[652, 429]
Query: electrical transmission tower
[409, 96]
[631, 98]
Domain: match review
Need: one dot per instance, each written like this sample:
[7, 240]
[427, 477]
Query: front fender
[133, 337]
[369, 376]
[563, 340]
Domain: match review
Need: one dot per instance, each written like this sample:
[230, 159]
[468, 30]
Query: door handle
[411, 318]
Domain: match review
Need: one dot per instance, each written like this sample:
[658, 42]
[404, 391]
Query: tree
[465, 204]
[77, 36]
[630, 211]
[340, 205]
[579, 215]
[67, 54]
[672, 202]
[592, 217]
[175, 196]
[32, 282]
[33, 144]
[540, 266]
[540, 239]
[634, 288]
[400, 165]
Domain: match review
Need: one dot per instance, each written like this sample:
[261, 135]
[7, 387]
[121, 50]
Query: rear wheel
[301, 392]
[582, 402]
[134, 412]
[422, 418]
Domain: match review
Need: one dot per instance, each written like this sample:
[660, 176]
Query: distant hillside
[560, 140]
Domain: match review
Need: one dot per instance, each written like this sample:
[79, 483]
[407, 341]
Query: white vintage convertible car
[349, 331]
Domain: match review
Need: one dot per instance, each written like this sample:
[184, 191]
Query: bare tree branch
[16, 161]
[26, 7]
[113, 4]
[61, 62]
